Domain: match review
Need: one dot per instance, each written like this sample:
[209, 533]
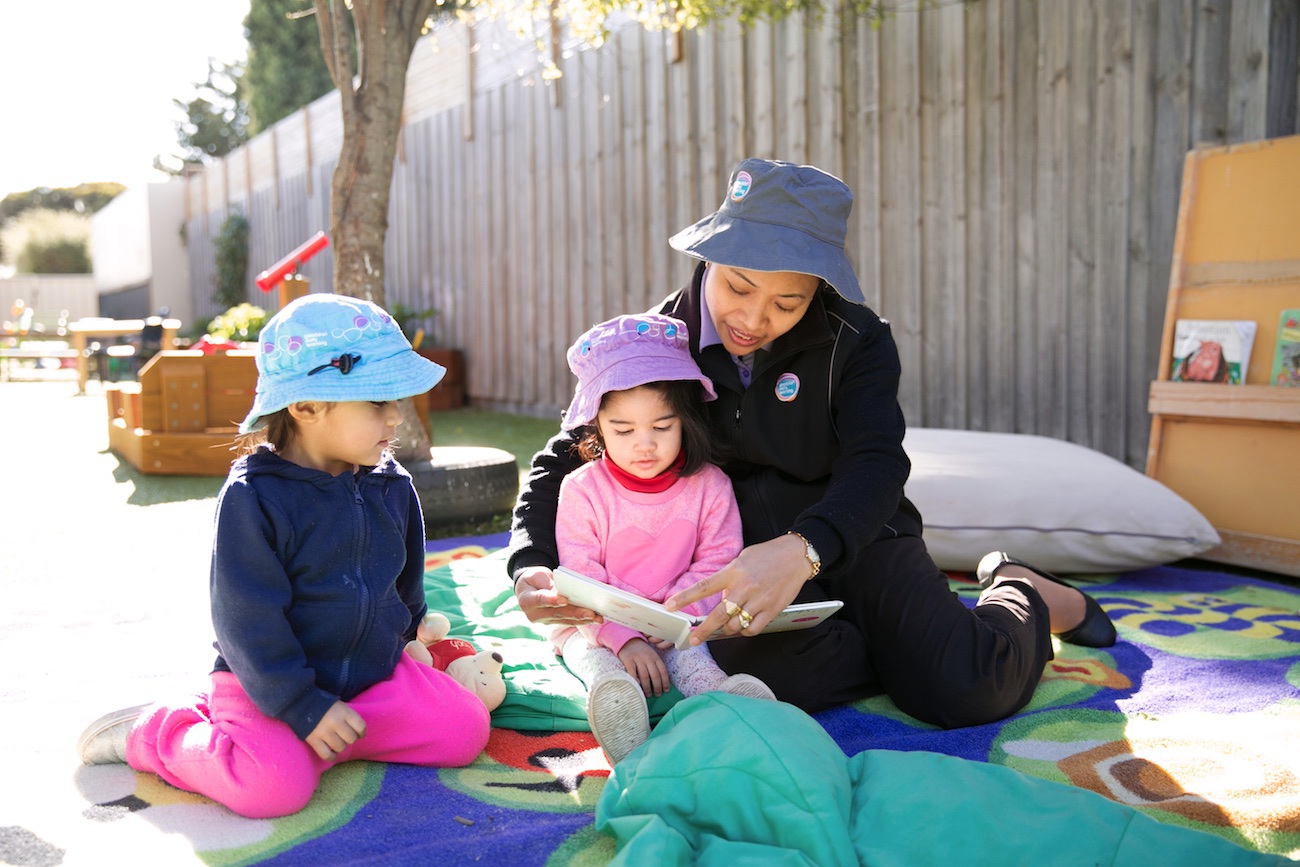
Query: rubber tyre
[464, 483]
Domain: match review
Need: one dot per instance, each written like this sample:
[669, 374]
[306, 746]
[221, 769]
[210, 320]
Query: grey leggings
[692, 671]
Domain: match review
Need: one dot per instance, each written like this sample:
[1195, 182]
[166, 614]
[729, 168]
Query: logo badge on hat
[740, 188]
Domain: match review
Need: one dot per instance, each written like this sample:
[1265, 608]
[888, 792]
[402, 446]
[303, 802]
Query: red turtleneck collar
[656, 485]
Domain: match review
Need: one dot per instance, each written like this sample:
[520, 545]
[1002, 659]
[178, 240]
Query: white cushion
[1060, 506]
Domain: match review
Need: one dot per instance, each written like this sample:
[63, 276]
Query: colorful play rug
[1193, 718]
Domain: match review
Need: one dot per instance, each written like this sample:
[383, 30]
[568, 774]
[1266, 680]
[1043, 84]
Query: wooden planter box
[184, 413]
[450, 393]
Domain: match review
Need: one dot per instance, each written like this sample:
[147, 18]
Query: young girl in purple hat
[807, 383]
[648, 513]
[317, 585]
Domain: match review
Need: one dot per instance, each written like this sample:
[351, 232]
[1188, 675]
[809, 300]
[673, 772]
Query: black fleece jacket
[815, 444]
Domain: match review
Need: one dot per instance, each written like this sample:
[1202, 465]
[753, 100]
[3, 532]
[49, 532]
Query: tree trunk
[383, 34]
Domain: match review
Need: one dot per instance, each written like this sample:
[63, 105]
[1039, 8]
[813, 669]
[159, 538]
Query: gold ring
[745, 619]
[732, 608]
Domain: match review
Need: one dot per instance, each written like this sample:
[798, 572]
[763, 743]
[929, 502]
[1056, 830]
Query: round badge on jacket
[787, 387]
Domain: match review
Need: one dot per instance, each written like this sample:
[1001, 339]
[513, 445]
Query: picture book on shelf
[1212, 350]
[652, 619]
[1286, 355]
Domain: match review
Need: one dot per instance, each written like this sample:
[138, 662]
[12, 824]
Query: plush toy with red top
[479, 671]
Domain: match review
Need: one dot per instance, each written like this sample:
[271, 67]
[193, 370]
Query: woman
[807, 383]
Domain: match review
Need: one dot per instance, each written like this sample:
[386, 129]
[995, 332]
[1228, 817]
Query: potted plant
[450, 393]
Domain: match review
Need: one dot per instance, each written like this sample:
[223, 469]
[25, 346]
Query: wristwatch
[814, 559]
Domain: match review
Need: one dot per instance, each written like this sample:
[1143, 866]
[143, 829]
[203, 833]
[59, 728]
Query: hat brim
[754, 246]
[402, 375]
[626, 374]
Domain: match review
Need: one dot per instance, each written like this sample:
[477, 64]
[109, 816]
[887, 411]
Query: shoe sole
[748, 686]
[103, 724]
[618, 716]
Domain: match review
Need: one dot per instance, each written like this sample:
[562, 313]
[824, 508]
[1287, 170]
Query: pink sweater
[649, 544]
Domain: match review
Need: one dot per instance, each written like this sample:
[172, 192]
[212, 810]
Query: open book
[652, 619]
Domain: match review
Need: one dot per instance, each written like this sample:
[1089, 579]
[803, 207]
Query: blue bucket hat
[626, 352]
[778, 216]
[335, 348]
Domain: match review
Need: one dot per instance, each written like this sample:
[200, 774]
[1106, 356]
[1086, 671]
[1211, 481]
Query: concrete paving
[103, 599]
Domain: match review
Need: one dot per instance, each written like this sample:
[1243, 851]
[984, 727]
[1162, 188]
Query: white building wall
[136, 240]
[170, 274]
[119, 242]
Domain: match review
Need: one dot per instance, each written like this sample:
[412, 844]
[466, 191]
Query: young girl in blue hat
[317, 585]
[647, 513]
[807, 383]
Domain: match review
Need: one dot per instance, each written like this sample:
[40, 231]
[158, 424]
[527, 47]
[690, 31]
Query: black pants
[903, 631]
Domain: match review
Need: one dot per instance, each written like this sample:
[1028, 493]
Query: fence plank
[1055, 151]
[1078, 328]
[1210, 40]
[1248, 64]
[900, 201]
[1111, 307]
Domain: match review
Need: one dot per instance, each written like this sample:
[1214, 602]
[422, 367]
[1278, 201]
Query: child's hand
[643, 663]
[419, 651]
[433, 628]
[340, 727]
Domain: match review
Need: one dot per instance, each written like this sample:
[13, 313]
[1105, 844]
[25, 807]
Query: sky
[86, 86]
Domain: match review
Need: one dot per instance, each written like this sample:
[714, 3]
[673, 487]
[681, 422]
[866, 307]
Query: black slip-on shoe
[1096, 628]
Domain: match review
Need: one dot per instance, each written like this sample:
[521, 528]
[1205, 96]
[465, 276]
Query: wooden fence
[1017, 166]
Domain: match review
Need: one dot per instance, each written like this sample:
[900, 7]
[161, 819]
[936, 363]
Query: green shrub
[232, 261]
[241, 323]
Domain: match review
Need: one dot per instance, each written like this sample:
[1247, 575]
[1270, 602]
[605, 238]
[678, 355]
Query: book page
[652, 619]
[1286, 350]
[1212, 350]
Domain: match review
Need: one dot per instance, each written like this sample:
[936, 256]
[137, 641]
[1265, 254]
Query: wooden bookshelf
[1233, 451]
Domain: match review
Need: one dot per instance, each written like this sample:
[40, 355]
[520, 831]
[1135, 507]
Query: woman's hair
[683, 398]
[278, 429]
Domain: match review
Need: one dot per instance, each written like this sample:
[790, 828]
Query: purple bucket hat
[779, 216]
[625, 352]
[335, 348]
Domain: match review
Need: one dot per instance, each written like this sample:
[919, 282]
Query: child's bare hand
[419, 652]
[340, 727]
[643, 662]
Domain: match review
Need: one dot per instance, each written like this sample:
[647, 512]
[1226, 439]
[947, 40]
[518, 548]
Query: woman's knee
[969, 701]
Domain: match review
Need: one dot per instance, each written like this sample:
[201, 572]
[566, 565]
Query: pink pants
[221, 746]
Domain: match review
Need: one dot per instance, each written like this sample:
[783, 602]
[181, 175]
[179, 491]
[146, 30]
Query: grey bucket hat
[779, 216]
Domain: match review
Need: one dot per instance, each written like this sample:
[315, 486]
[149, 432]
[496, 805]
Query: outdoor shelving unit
[1233, 451]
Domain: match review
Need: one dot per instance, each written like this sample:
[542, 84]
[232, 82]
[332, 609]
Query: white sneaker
[104, 741]
[617, 714]
[748, 685]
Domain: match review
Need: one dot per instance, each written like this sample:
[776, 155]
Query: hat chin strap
[344, 363]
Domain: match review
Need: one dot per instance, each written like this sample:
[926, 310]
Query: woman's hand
[541, 604]
[644, 663]
[340, 727]
[760, 583]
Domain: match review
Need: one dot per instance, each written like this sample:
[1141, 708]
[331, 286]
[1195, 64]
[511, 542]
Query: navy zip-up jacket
[815, 442]
[317, 582]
